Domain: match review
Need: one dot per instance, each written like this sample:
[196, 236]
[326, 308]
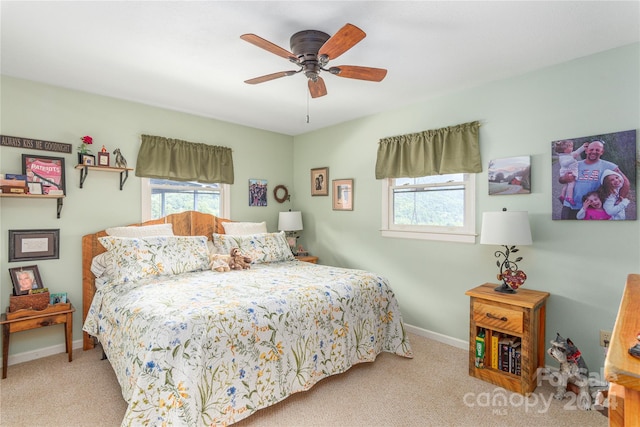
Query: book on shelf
[495, 337]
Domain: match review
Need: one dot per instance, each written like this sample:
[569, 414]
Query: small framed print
[103, 159]
[25, 279]
[49, 171]
[35, 187]
[58, 298]
[88, 159]
[320, 181]
[343, 194]
[29, 245]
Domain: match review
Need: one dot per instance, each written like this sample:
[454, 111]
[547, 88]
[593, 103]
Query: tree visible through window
[169, 197]
[430, 207]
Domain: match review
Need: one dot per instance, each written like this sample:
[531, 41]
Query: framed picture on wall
[511, 175]
[257, 192]
[342, 194]
[29, 245]
[49, 171]
[594, 177]
[320, 181]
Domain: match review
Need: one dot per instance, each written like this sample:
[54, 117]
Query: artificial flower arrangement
[84, 147]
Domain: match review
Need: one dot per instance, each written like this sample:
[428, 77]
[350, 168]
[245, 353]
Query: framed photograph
[25, 279]
[49, 171]
[343, 194]
[594, 177]
[34, 187]
[29, 245]
[257, 192]
[58, 298]
[320, 181]
[88, 159]
[511, 175]
[103, 158]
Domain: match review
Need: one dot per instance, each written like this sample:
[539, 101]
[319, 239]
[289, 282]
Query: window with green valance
[179, 160]
[454, 149]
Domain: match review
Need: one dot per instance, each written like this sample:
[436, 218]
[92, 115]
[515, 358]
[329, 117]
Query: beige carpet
[433, 389]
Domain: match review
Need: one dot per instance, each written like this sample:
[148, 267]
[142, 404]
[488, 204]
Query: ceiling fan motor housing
[305, 45]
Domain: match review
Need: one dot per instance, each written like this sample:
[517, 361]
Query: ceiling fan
[312, 50]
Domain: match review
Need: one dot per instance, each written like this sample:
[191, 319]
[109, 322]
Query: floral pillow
[134, 259]
[263, 247]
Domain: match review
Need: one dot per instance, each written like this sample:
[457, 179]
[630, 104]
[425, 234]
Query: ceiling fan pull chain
[307, 107]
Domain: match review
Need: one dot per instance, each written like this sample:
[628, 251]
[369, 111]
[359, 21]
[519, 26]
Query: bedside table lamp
[507, 229]
[290, 223]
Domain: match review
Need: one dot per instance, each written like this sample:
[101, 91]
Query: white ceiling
[188, 55]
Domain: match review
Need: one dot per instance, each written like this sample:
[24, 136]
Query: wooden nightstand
[308, 258]
[23, 320]
[518, 317]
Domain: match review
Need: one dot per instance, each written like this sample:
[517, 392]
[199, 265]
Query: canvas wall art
[594, 177]
[511, 175]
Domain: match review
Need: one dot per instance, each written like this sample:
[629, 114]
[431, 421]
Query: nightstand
[513, 326]
[23, 320]
[308, 258]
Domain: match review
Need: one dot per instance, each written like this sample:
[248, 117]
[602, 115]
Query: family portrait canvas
[594, 177]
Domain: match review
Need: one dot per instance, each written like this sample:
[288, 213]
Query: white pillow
[263, 247]
[142, 231]
[244, 228]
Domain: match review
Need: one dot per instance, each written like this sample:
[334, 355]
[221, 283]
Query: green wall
[583, 265]
[37, 111]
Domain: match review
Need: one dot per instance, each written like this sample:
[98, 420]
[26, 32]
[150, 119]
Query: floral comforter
[209, 348]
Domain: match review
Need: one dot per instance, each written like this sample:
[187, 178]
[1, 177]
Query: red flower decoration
[87, 139]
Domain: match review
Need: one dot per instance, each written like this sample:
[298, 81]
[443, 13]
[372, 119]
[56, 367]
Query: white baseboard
[455, 342]
[42, 352]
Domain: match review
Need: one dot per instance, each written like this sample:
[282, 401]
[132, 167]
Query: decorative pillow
[132, 259]
[244, 228]
[142, 231]
[101, 265]
[264, 247]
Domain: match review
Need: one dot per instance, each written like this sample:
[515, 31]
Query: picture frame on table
[25, 279]
[30, 245]
[320, 181]
[103, 159]
[58, 298]
[342, 194]
[49, 171]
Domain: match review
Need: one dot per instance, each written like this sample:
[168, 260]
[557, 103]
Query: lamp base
[505, 289]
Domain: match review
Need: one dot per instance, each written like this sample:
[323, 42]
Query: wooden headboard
[188, 223]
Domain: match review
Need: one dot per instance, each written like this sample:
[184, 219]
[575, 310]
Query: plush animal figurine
[120, 161]
[573, 369]
[239, 261]
[219, 262]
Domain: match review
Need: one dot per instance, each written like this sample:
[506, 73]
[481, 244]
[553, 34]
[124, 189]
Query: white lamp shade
[290, 221]
[505, 228]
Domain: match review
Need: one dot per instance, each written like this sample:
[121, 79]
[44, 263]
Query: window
[438, 207]
[161, 197]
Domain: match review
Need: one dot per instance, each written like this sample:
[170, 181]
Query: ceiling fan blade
[347, 37]
[268, 77]
[360, 73]
[268, 46]
[317, 88]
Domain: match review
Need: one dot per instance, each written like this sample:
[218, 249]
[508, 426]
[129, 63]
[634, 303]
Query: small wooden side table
[308, 258]
[23, 320]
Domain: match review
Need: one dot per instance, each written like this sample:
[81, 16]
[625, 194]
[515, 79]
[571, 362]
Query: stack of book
[506, 353]
[13, 183]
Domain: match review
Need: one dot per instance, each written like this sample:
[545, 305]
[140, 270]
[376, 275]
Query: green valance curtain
[453, 149]
[178, 160]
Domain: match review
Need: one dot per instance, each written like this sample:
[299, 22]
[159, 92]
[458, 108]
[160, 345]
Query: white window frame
[464, 234]
[225, 199]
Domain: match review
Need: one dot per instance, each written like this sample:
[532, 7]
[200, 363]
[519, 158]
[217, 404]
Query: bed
[193, 346]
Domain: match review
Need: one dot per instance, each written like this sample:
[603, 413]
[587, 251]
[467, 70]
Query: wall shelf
[84, 172]
[38, 196]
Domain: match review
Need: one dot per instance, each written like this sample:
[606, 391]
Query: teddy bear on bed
[219, 262]
[239, 261]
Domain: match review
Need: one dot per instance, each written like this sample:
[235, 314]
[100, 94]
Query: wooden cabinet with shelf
[84, 172]
[38, 196]
[516, 317]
